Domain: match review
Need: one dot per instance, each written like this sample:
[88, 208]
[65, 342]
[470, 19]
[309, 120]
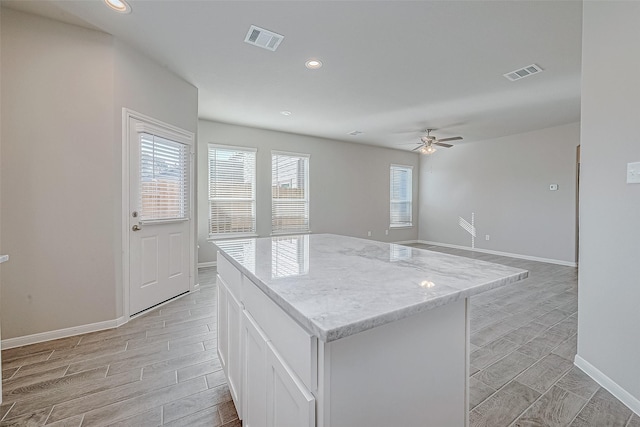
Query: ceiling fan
[428, 141]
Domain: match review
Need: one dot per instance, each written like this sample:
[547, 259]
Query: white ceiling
[391, 68]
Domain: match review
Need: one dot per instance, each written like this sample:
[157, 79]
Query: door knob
[136, 228]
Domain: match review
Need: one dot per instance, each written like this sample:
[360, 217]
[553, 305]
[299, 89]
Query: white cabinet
[223, 346]
[289, 404]
[265, 383]
[230, 349]
[235, 355]
[254, 388]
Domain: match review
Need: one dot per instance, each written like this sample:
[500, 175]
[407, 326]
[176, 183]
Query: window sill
[290, 233]
[395, 227]
[214, 239]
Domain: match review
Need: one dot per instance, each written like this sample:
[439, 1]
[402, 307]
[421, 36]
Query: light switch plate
[633, 173]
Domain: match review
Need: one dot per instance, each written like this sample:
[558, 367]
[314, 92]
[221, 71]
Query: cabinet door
[289, 403]
[223, 349]
[254, 401]
[235, 354]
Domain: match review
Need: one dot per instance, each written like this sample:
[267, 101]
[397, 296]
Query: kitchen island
[333, 331]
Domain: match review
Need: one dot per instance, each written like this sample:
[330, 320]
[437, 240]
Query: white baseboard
[507, 254]
[207, 264]
[608, 384]
[62, 333]
[407, 242]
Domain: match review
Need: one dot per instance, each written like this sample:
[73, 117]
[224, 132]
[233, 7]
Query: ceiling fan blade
[417, 148]
[442, 145]
[454, 138]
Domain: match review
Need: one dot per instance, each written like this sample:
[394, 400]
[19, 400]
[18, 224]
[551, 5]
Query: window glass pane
[401, 196]
[232, 190]
[164, 174]
[290, 198]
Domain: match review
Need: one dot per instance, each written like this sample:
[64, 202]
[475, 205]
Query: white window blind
[232, 190]
[164, 179]
[401, 196]
[290, 193]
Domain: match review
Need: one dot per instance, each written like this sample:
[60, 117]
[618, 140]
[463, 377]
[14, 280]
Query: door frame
[168, 130]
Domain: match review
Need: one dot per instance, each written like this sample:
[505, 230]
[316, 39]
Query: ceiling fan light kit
[427, 142]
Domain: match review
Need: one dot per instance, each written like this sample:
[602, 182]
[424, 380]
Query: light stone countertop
[336, 286]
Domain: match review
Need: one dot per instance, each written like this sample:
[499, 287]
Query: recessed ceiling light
[119, 5]
[313, 64]
[285, 113]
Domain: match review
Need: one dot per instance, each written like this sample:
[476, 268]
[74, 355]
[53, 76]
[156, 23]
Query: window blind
[401, 196]
[290, 193]
[232, 190]
[164, 179]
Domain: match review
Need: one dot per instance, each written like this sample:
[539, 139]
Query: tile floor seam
[48, 415]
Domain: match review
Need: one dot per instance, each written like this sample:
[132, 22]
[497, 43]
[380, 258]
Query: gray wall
[609, 290]
[349, 183]
[505, 182]
[63, 89]
[57, 169]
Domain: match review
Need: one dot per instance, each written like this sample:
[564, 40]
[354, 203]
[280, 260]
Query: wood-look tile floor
[158, 369]
[523, 342]
[162, 368]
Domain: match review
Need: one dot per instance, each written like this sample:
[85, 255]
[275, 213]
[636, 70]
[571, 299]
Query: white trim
[290, 154]
[608, 384]
[401, 166]
[207, 264]
[407, 242]
[62, 333]
[507, 254]
[234, 147]
[186, 137]
[163, 130]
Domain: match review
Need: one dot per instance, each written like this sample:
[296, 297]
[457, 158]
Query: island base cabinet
[254, 374]
[222, 332]
[411, 372]
[234, 356]
[229, 331]
[289, 404]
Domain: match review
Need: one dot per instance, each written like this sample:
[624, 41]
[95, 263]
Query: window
[289, 193]
[401, 195]
[232, 191]
[164, 177]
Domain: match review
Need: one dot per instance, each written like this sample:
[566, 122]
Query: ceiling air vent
[523, 72]
[263, 38]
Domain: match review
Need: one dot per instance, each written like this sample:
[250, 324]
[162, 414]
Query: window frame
[307, 196]
[408, 200]
[233, 235]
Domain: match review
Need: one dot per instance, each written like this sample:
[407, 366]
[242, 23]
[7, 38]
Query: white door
[160, 214]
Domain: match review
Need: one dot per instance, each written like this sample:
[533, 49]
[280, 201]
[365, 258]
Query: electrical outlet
[486, 237]
[633, 173]
[386, 232]
[368, 233]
